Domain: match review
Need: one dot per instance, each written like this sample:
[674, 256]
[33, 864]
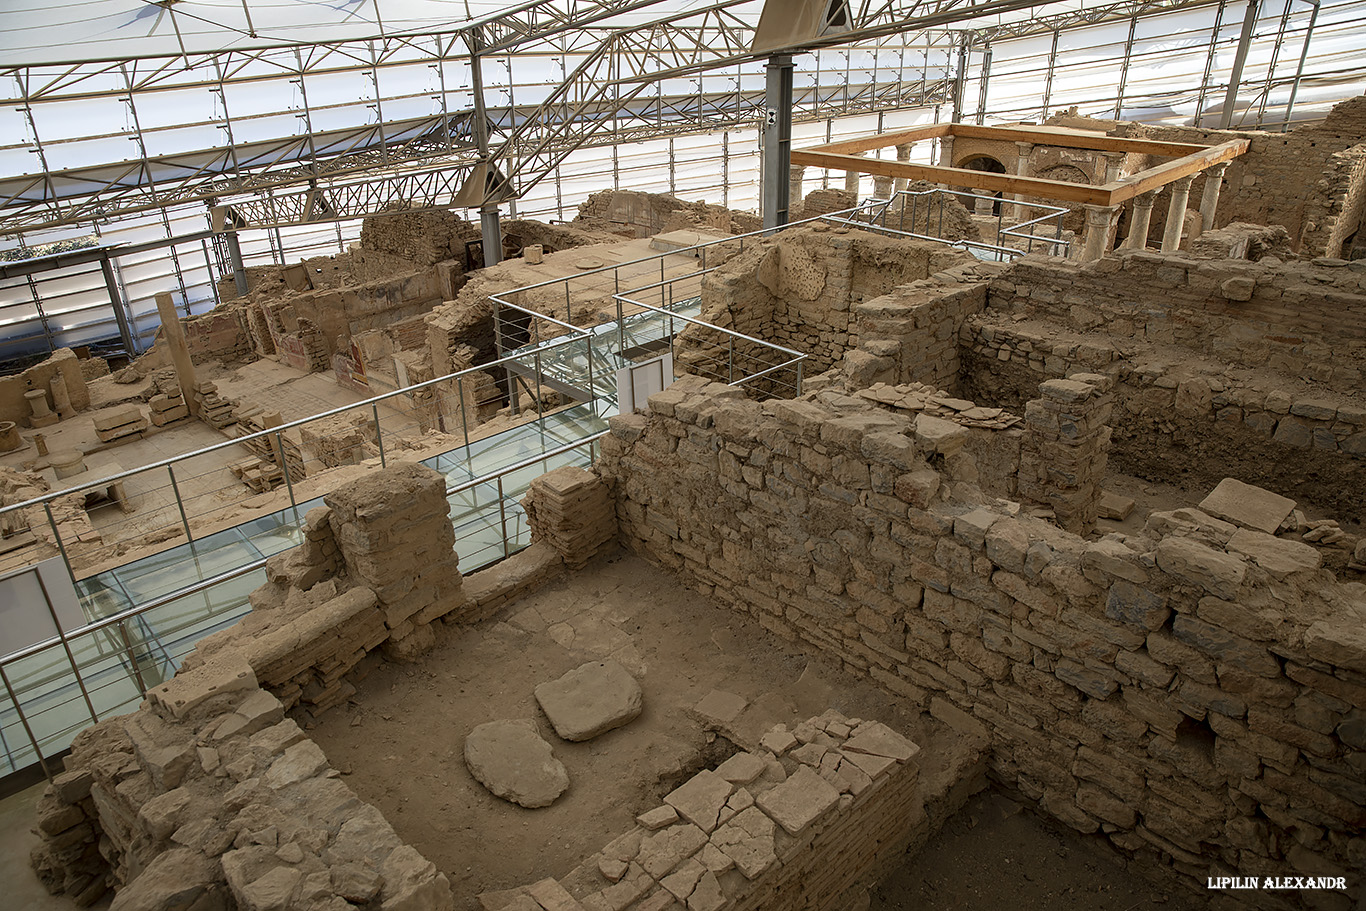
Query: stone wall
[220, 335]
[636, 214]
[425, 237]
[1192, 692]
[1305, 319]
[63, 362]
[207, 796]
[809, 819]
[800, 289]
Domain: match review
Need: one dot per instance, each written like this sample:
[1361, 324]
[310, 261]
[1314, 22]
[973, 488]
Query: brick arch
[1064, 172]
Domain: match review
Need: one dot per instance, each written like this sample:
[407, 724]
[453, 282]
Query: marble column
[1114, 163]
[796, 175]
[851, 179]
[1209, 200]
[903, 155]
[1100, 221]
[1142, 217]
[1176, 213]
[1023, 151]
[945, 154]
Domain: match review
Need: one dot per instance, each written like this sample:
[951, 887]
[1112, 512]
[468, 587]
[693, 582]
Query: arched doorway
[992, 166]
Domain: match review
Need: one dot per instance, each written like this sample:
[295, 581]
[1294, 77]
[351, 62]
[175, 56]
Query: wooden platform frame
[1187, 159]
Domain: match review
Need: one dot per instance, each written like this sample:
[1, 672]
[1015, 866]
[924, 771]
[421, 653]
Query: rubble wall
[809, 819]
[799, 290]
[220, 335]
[1192, 692]
[1307, 319]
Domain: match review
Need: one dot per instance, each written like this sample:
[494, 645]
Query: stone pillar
[1100, 221]
[945, 155]
[394, 532]
[903, 155]
[1023, 151]
[1176, 214]
[882, 187]
[796, 175]
[174, 336]
[851, 179]
[984, 203]
[1209, 200]
[571, 510]
[1065, 447]
[1143, 216]
[1114, 161]
[61, 399]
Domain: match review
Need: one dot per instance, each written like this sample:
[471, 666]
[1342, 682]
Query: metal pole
[379, 434]
[777, 136]
[116, 300]
[132, 658]
[491, 232]
[23, 719]
[1299, 70]
[464, 418]
[57, 536]
[503, 515]
[184, 519]
[1240, 58]
[284, 465]
[239, 272]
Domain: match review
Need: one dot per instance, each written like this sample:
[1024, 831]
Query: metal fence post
[379, 434]
[175, 489]
[23, 719]
[284, 466]
[132, 658]
[503, 515]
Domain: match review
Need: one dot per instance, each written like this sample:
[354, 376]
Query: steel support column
[491, 230]
[239, 272]
[1240, 58]
[777, 139]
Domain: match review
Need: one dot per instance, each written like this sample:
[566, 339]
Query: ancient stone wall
[1307, 319]
[1193, 692]
[1336, 208]
[63, 363]
[909, 335]
[220, 335]
[637, 214]
[207, 796]
[800, 289]
[425, 237]
[809, 819]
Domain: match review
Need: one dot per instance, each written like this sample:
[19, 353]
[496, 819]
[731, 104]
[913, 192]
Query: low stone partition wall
[1193, 692]
[208, 797]
[808, 817]
[1192, 418]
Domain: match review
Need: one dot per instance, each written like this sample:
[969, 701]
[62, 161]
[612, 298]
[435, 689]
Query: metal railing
[192, 487]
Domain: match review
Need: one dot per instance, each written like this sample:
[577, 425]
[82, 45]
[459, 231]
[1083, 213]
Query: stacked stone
[207, 797]
[917, 398]
[126, 422]
[167, 408]
[1140, 686]
[214, 410]
[1063, 455]
[807, 816]
[314, 346]
[395, 535]
[571, 510]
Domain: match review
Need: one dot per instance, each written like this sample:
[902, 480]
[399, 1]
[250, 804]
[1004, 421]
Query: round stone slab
[592, 699]
[511, 759]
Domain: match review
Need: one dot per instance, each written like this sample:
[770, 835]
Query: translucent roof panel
[38, 32]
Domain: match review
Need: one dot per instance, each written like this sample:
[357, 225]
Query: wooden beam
[886, 140]
[1098, 142]
[961, 177]
[1159, 176]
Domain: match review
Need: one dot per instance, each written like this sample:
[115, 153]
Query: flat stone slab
[799, 801]
[511, 759]
[592, 699]
[876, 739]
[700, 799]
[1275, 555]
[1247, 505]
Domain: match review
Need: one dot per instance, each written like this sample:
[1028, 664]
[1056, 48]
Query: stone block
[1277, 556]
[799, 801]
[1218, 573]
[1247, 505]
[590, 700]
[700, 799]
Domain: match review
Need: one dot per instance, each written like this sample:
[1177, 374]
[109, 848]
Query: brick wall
[1143, 687]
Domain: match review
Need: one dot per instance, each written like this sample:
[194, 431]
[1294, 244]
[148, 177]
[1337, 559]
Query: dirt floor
[399, 742]
[995, 854]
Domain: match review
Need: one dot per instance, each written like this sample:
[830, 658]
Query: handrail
[526, 463]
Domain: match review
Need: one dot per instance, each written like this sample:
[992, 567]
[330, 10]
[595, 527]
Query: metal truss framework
[612, 91]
